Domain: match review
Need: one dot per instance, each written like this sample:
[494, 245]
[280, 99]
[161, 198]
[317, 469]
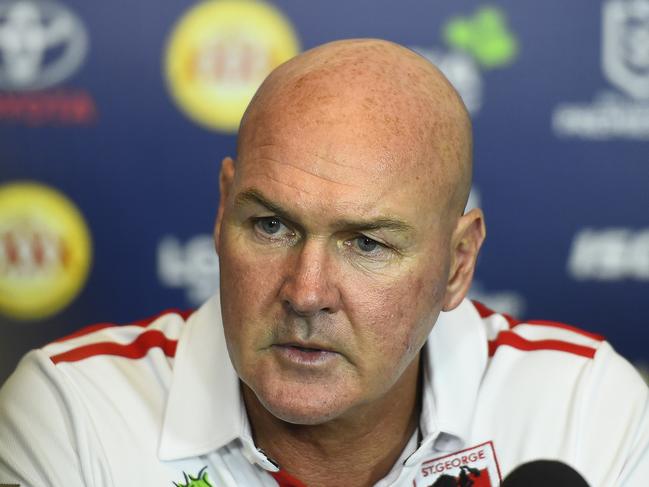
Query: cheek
[247, 276]
[249, 286]
[398, 317]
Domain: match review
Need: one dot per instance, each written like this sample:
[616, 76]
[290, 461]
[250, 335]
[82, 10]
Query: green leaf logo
[484, 36]
[200, 480]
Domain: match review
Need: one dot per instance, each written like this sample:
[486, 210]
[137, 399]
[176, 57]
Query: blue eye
[366, 244]
[270, 225]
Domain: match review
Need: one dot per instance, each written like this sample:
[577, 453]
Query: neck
[360, 447]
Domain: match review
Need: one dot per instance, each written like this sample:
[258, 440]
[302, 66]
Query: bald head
[382, 93]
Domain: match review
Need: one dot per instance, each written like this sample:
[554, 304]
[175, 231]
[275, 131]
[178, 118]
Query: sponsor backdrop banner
[114, 117]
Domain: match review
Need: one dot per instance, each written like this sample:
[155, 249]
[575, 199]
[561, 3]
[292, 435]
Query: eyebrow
[255, 197]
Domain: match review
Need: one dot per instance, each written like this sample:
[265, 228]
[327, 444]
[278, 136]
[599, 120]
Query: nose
[309, 287]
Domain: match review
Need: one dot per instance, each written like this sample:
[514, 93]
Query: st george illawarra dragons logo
[200, 480]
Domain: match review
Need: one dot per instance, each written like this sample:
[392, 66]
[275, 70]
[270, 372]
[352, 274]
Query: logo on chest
[200, 480]
[473, 467]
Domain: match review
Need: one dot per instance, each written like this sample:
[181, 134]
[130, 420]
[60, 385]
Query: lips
[304, 354]
[306, 347]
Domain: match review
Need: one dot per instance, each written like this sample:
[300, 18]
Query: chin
[303, 405]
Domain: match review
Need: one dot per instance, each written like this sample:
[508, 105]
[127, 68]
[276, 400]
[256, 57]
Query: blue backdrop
[114, 117]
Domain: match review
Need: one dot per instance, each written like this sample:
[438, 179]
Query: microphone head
[445, 481]
[544, 473]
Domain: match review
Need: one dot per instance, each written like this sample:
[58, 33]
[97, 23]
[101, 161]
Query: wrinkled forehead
[331, 154]
[338, 168]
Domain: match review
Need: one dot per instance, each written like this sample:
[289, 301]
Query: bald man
[341, 350]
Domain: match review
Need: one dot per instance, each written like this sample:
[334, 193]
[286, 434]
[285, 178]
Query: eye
[272, 228]
[269, 225]
[370, 249]
[366, 244]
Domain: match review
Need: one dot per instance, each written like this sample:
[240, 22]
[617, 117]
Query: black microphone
[445, 481]
[465, 479]
[544, 473]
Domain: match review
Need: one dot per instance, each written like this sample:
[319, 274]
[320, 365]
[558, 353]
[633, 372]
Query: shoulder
[81, 366]
[507, 334]
[105, 349]
[134, 341]
[99, 368]
[557, 352]
[107, 366]
[565, 390]
[103, 381]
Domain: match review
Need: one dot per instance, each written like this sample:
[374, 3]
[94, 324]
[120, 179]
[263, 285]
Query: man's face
[334, 258]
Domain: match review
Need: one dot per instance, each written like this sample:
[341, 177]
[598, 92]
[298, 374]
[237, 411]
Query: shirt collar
[455, 358]
[205, 410]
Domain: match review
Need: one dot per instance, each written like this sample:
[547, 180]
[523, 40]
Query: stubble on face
[350, 131]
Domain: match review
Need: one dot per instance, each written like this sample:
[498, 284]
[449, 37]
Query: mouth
[304, 353]
[305, 347]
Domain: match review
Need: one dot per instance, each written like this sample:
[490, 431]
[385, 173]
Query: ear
[226, 178]
[466, 241]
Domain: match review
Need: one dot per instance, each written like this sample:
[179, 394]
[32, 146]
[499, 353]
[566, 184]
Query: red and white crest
[472, 467]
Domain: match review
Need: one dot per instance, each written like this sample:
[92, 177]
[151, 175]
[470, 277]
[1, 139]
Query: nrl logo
[625, 53]
[200, 480]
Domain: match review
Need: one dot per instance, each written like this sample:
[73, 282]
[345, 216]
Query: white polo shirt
[158, 402]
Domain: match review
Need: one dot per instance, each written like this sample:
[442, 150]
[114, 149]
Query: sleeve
[43, 438]
[615, 426]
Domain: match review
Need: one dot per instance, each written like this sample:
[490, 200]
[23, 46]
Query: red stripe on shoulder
[138, 348]
[486, 312]
[511, 339]
[184, 314]
[285, 479]
[571, 328]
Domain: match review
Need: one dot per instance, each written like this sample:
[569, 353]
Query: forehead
[334, 169]
[348, 133]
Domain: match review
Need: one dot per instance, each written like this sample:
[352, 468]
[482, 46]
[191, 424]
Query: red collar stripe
[286, 480]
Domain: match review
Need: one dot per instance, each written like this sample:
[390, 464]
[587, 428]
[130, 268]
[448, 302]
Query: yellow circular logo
[45, 250]
[218, 55]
